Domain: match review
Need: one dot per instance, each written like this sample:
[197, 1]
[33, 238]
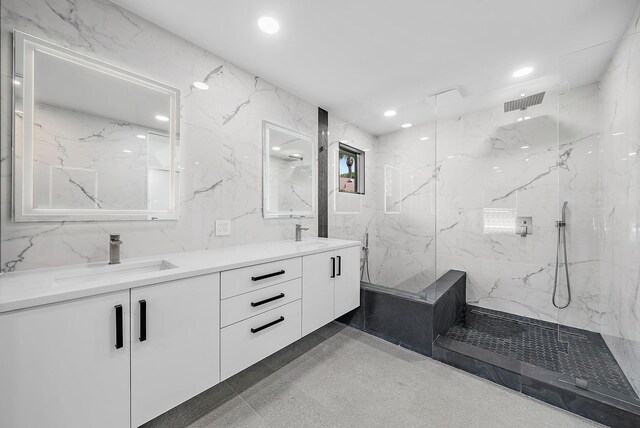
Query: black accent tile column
[323, 173]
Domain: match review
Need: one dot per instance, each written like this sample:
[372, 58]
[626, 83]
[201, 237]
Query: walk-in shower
[446, 193]
[561, 245]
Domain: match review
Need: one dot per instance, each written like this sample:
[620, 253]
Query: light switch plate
[223, 227]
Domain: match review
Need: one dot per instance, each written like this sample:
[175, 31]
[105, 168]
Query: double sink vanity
[118, 345]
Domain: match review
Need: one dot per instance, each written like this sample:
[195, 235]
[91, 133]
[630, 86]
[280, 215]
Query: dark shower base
[524, 354]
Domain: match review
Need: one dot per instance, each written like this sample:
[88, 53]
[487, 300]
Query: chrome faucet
[299, 230]
[114, 249]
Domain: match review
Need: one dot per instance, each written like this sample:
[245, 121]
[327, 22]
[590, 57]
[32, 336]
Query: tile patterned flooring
[583, 355]
[342, 377]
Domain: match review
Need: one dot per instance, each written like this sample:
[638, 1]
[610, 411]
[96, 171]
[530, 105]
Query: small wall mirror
[91, 141]
[289, 172]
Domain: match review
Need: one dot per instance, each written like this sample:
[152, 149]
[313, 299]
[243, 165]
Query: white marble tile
[221, 138]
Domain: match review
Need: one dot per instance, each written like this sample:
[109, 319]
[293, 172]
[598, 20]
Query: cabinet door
[317, 290]
[59, 366]
[347, 287]
[179, 358]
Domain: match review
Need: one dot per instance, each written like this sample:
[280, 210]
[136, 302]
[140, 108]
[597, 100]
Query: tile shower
[445, 195]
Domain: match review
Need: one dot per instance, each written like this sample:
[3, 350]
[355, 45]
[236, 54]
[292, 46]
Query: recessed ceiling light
[524, 147]
[526, 160]
[406, 125]
[275, 148]
[589, 152]
[632, 154]
[141, 136]
[268, 25]
[424, 138]
[126, 151]
[522, 71]
[390, 113]
[162, 118]
[496, 167]
[201, 85]
[618, 133]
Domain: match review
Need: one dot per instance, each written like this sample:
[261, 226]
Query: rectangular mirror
[289, 172]
[91, 141]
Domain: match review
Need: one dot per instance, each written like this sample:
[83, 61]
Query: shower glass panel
[497, 197]
[599, 179]
[393, 214]
[515, 186]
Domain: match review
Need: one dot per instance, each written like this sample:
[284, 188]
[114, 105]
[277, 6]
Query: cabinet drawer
[243, 280]
[249, 341]
[246, 305]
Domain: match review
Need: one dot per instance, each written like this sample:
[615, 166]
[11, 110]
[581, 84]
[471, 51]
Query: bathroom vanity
[116, 346]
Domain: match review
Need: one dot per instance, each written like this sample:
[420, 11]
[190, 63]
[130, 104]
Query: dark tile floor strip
[580, 354]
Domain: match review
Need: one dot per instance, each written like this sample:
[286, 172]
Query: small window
[350, 170]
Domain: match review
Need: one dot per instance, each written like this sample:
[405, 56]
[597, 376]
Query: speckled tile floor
[577, 355]
[341, 377]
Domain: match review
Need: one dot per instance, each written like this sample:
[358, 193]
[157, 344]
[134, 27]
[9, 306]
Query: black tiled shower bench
[410, 320]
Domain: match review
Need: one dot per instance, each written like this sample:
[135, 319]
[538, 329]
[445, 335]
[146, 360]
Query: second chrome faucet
[299, 230]
[114, 249]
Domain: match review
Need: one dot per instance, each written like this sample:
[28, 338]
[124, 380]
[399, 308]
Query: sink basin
[110, 273]
[311, 244]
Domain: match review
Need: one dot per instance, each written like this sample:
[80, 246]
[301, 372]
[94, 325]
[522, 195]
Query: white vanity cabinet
[104, 353]
[261, 312]
[66, 364]
[331, 286]
[174, 344]
[103, 361]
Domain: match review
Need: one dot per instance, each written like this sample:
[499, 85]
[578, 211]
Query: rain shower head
[524, 102]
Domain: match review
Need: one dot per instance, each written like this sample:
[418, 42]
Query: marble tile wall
[454, 208]
[220, 135]
[397, 209]
[620, 203]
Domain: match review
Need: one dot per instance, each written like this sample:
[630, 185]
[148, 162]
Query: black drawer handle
[269, 275]
[270, 299]
[255, 330]
[143, 320]
[333, 267]
[119, 329]
[339, 265]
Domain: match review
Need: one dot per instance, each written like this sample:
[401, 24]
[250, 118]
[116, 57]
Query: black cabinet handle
[339, 265]
[143, 320]
[255, 330]
[119, 329]
[333, 267]
[269, 275]
[270, 299]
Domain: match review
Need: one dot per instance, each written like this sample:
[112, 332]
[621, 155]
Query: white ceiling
[358, 58]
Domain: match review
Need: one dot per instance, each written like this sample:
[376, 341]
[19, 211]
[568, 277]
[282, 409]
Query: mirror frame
[266, 212]
[23, 210]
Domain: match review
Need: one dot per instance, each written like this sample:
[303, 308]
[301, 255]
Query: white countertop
[24, 289]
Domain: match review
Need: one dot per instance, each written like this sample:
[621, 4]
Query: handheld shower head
[564, 210]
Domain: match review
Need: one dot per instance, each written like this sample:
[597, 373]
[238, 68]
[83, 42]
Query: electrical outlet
[223, 227]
